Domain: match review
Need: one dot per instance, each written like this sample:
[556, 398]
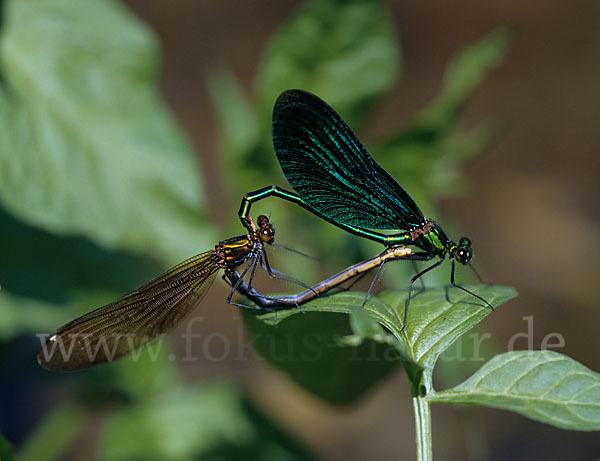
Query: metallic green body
[429, 237]
[402, 238]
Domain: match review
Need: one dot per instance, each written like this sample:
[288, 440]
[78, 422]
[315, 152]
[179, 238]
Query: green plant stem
[423, 428]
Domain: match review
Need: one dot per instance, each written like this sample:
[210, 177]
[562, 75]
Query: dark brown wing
[124, 325]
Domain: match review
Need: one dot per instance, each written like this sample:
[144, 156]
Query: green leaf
[436, 318]
[344, 51]
[364, 326]
[86, 145]
[310, 347]
[439, 316]
[191, 423]
[71, 275]
[543, 385]
[55, 434]
[63, 265]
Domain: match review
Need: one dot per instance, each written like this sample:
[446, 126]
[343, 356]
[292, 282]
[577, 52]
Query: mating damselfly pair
[332, 176]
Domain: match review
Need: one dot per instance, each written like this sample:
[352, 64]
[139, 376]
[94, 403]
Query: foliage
[543, 385]
[434, 322]
[95, 175]
[83, 152]
[307, 348]
[342, 50]
[211, 421]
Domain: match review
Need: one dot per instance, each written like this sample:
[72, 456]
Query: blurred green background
[129, 132]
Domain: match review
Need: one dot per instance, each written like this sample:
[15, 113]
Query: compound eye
[262, 220]
[464, 242]
[267, 234]
[463, 255]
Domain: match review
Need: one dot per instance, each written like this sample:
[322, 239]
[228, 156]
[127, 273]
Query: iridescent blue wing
[330, 169]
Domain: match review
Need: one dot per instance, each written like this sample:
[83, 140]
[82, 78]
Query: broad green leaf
[86, 144]
[344, 303]
[439, 316]
[309, 347]
[543, 385]
[45, 266]
[343, 51]
[364, 326]
[47, 280]
[436, 318]
[56, 433]
[192, 423]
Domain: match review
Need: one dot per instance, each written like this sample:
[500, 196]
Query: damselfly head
[265, 229]
[462, 252]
